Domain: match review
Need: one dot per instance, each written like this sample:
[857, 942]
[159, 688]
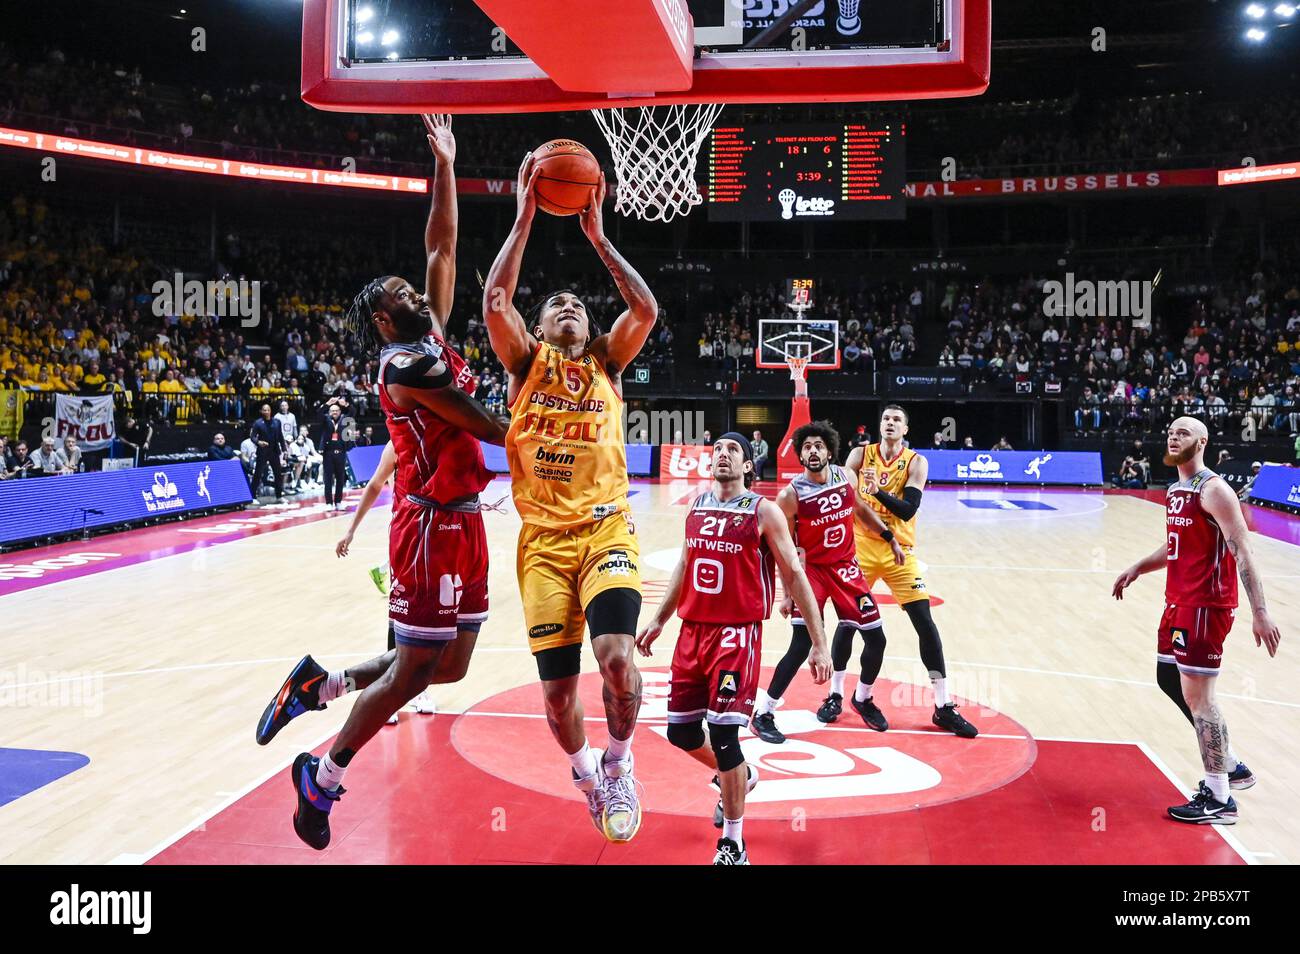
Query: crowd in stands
[263, 121]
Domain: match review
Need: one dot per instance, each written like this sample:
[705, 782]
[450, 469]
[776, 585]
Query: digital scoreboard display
[807, 172]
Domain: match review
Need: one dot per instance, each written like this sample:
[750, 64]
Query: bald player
[1206, 546]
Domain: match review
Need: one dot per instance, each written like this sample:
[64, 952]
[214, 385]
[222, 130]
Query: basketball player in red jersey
[1206, 546]
[722, 588]
[819, 506]
[437, 544]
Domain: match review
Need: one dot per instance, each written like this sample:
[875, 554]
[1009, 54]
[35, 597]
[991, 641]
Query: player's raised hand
[649, 633]
[525, 195]
[342, 547]
[593, 222]
[1266, 632]
[899, 556]
[819, 664]
[441, 140]
[1123, 581]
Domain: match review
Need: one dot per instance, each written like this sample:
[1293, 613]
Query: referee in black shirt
[271, 449]
[334, 445]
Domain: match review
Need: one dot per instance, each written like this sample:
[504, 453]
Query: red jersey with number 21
[1199, 568]
[730, 573]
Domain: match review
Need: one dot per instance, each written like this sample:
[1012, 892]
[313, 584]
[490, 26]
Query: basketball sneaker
[751, 781]
[947, 717]
[593, 786]
[831, 708]
[1205, 809]
[424, 704]
[621, 818]
[300, 693]
[311, 819]
[379, 576]
[1241, 778]
[872, 716]
[764, 725]
[729, 853]
[392, 719]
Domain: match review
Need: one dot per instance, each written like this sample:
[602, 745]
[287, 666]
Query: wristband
[887, 536]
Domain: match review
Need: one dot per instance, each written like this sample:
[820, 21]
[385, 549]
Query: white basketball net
[655, 150]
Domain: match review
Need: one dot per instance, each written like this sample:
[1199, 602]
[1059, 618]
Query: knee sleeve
[687, 736]
[788, 667]
[873, 653]
[614, 611]
[928, 636]
[842, 647]
[1171, 684]
[725, 741]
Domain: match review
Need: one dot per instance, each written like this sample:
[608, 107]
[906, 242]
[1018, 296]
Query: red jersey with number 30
[435, 459]
[729, 569]
[1200, 570]
[824, 519]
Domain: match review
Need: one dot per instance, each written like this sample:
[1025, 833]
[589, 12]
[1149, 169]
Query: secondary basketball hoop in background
[655, 72]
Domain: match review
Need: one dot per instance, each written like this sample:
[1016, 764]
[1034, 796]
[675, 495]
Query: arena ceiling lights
[1263, 19]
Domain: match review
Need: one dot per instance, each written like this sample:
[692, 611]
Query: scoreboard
[807, 172]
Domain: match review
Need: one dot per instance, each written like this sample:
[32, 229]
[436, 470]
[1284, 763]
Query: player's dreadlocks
[357, 323]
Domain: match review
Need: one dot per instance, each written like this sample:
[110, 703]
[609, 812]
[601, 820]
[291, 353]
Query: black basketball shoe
[718, 816]
[831, 708]
[947, 717]
[311, 819]
[1205, 809]
[730, 853]
[1241, 778]
[870, 712]
[764, 725]
[300, 693]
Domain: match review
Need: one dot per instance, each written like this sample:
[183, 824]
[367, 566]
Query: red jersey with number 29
[730, 573]
[824, 519]
[1199, 568]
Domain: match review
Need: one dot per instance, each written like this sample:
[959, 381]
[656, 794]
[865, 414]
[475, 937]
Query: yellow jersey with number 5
[568, 466]
[892, 476]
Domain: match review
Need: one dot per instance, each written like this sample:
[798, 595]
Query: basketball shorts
[439, 568]
[715, 673]
[1192, 637]
[561, 571]
[847, 589]
[877, 562]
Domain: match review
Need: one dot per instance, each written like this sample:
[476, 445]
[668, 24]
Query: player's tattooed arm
[652, 630]
[441, 229]
[1221, 504]
[627, 336]
[772, 525]
[508, 335]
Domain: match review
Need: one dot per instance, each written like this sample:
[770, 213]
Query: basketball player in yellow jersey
[578, 555]
[891, 477]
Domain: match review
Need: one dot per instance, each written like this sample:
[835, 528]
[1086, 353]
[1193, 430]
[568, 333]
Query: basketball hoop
[798, 368]
[655, 151]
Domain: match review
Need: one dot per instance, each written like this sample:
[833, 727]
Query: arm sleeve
[904, 509]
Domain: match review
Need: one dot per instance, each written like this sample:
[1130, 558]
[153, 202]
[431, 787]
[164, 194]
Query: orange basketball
[567, 174]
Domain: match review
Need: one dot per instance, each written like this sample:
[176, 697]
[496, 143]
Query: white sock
[1218, 784]
[1233, 760]
[583, 762]
[941, 697]
[837, 680]
[335, 685]
[731, 829]
[619, 750]
[329, 775]
[863, 692]
[765, 703]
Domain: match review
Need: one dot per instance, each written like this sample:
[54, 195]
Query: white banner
[88, 419]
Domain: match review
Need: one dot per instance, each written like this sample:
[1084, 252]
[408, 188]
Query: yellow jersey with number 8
[568, 466]
[892, 477]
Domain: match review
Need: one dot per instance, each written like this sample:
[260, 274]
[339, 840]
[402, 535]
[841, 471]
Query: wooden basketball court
[137, 664]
